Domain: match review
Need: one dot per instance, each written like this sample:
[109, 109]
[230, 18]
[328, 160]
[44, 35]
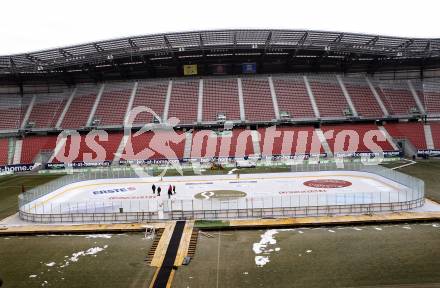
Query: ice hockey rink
[221, 192]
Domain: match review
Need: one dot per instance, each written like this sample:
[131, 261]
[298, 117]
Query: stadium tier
[413, 132]
[80, 108]
[113, 104]
[150, 94]
[238, 142]
[329, 97]
[257, 99]
[183, 102]
[435, 130]
[35, 146]
[367, 106]
[220, 96]
[293, 98]
[356, 138]
[290, 141]
[249, 102]
[397, 97]
[431, 97]
[4, 149]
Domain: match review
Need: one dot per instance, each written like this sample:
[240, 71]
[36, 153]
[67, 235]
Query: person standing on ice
[174, 189]
[153, 188]
[170, 191]
[159, 190]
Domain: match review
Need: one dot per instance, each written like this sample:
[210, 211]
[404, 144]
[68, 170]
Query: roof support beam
[65, 53]
[406, 44]
[372, 41]
[132, 43]
[268, 42]
[98, 48]
[32, 58]
[339, 38]
[303, 38]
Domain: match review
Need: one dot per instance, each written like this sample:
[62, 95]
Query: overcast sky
[40, 24]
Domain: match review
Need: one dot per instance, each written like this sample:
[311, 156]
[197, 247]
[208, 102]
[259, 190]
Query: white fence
[280, 206]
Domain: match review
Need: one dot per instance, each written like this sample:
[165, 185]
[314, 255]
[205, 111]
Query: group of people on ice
[171, 190]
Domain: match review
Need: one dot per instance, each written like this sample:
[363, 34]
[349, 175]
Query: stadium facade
[311, 84]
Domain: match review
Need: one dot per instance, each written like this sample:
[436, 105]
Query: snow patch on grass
[261, 260]
[267, 238]
[94, 236]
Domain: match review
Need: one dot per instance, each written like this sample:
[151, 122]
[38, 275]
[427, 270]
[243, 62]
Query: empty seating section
[235, 143]
[48, 108]
[109, 146]
[4, 148]
[207, 143]
[152, 95]
[418, 87]
[354, 138]
[397, 97]
[11, 111]
[162, 144]
[412, 131]
[435, 130]
[220, 96]
[329, 97]
[80, 107]
[37, 145]
[431, 97]
[257, 99]
[241, 143]
[289, 141]
[292, 97]
[113, 104]
[363, 98]
[184, 100]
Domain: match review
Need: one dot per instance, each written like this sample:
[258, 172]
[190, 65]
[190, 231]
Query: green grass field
[323, 257]
[27, 261]
[11, 186]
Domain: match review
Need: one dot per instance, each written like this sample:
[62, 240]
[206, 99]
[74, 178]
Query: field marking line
[36, 205]
[411, 162]
[218, 258]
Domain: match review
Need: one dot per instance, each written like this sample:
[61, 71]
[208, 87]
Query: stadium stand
[228, 143]
[257, 99]
[109, 146]
[11, 111]
[184, 100]
[220, 96]
[142, 141]
[79, 110]
[4, 148]
[241, 143]
[290, 141]
[431, 97]
[360, 130]
[152, 95]
[293, 98]
[34, 146]
[435, 130]
[412, 131]
[329, 97]
[48, 108]
[113, 104]
[397, 97]
[363, 98]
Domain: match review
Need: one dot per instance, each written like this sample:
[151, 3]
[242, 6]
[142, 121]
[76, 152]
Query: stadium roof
[208, 46]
